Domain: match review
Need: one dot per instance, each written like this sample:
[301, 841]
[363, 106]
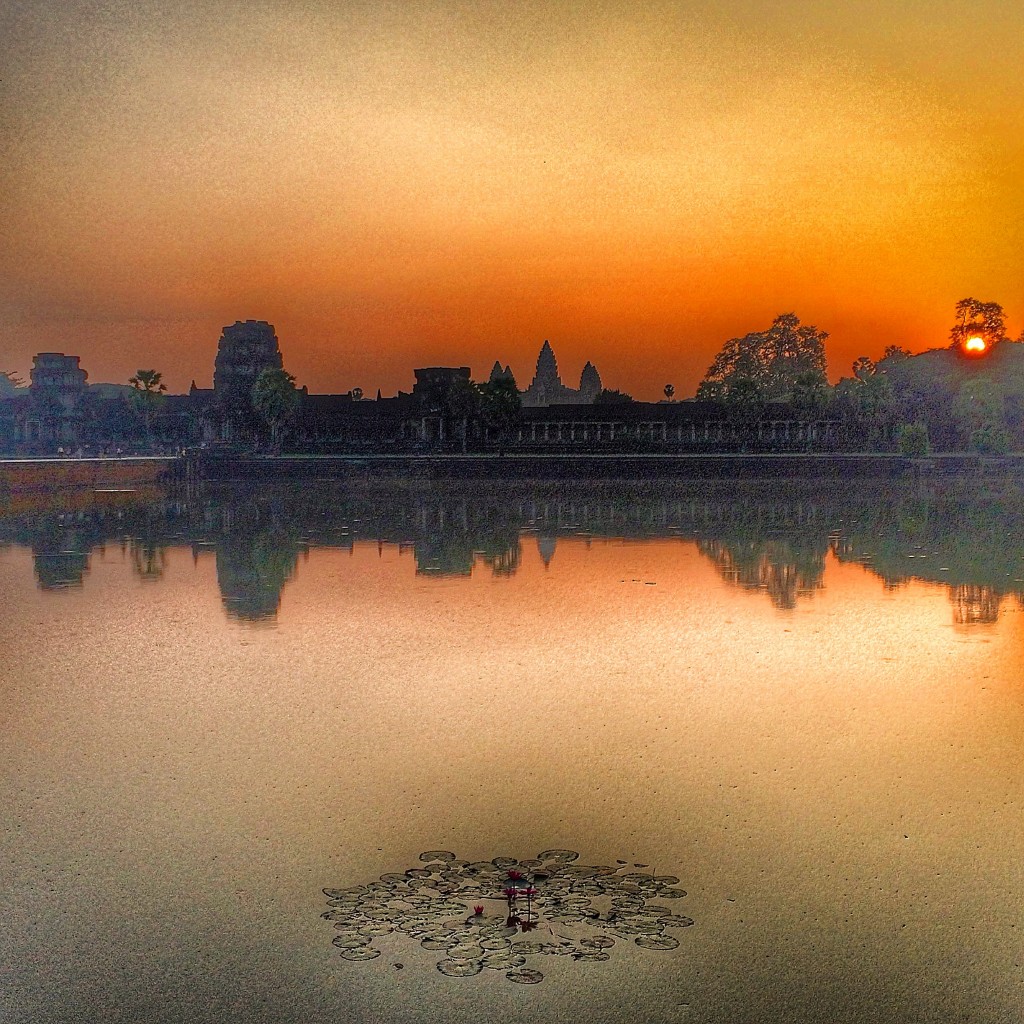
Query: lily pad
[361, 953]
[525, 976]
[657, 941]
[459, 968]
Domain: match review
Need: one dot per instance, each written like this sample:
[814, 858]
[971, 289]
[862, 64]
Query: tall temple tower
[547, 387]
[244, 351]
[547, 369]
[590, 383]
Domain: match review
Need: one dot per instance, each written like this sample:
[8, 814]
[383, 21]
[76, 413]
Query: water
[805, 704]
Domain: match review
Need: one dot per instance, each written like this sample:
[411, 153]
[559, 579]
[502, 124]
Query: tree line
[967, 396]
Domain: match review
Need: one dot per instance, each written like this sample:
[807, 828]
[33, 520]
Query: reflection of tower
[974, 604]
[546, 547]
[252, 569]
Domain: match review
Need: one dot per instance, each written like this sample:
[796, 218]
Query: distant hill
[946, 369]
[926, 388]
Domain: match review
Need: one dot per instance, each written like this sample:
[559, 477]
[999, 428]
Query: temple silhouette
[547, 388]
[61, 413]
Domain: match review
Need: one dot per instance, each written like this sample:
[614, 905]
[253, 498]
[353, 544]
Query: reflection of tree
[777, 567]
[453, 531]
[961, 532]
[771, 537]
[444, 556]
[974, 604]
[504, 561]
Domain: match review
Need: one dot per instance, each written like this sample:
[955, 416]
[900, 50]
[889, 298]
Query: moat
[798, 700]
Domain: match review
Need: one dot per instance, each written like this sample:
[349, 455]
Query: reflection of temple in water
[149, 560]
[251, 576]
[772, 539]
[772, 566]
[252, 570]
[546, 548]
[974, 604]
[59, 570]
[60, 551]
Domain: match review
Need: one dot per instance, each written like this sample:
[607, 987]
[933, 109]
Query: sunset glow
[975, 345]
[449, 183]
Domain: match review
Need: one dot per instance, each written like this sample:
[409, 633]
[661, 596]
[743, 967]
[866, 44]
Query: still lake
[803, 701]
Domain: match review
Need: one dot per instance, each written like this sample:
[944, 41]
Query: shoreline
[21, 475]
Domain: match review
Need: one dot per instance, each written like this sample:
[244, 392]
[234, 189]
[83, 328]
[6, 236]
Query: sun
[975, 345]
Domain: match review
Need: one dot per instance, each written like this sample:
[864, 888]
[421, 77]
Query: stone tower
[59, 379]
[547, 388]
[590, 383]
[244, 351]
[497, 373]
[547, 369]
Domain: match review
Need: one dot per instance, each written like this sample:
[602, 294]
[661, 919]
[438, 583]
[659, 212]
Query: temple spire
[547, 365]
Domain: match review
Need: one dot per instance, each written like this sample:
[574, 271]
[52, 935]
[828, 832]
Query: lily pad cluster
[502, 913]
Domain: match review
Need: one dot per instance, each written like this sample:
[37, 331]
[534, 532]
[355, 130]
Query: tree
[607, 396]
[462, 402]
[771, 359]
[863, 368]
[501, 407]
[896, 352]
[670, 390]
[357, 394]
[275, 399]
[811, 392]
[974, 318]
[147, 397]
[980, 412]
[744, 402]
[790, 351]
[10, 382]
[739, 359]
[867, 398]
[913, 441]
[990, 439]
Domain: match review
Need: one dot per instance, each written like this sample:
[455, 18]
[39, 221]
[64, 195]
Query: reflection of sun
[976, 345]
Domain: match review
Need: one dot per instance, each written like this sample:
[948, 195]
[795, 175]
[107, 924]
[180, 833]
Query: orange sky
[396, 185]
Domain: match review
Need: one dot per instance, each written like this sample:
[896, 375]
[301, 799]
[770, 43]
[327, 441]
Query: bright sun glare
[975, 344]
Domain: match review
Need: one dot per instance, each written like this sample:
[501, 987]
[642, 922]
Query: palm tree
[275, 399]
[148, 396]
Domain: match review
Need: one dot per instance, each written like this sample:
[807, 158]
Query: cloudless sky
[408, 184]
